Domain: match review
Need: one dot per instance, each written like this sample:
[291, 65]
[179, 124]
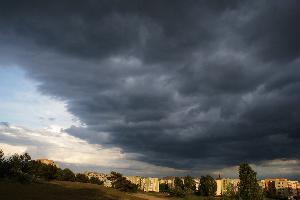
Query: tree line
[23, 169]
[248, 188]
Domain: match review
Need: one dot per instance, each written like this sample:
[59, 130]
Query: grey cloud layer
[186, 84]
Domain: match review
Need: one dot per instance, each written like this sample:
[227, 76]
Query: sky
[153, 88]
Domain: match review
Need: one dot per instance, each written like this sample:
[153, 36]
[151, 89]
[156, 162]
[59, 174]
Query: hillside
[59, 190]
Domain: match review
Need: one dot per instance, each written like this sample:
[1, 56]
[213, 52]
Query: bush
[44, 171]
[82, 178]
[163, 187]
[177, 192]
[95, 180]
[65, 175]
[121, 183]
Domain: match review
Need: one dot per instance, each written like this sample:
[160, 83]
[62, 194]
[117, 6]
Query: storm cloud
[184, 84]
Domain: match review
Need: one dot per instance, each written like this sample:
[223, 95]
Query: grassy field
[59, 190]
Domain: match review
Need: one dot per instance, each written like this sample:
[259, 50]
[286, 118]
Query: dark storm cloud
[185, 84]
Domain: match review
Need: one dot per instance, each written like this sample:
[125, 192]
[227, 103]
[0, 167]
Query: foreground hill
[60, 190]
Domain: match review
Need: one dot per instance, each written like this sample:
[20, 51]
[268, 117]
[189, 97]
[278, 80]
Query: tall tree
[189, 184]
[178, 189]
[248, 187]
[208, 186]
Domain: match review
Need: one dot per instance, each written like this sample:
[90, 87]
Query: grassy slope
[59, 190]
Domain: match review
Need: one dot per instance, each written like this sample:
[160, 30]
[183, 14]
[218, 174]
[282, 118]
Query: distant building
[134, 179]
[101, 176]
[197, 183]
[168, 180]
[150, 184]
[281, 188]
[48, 162]
[146, 184]
[292, 188]
[222, 185]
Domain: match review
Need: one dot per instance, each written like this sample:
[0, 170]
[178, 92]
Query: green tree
[18, 167]
[95, 180]
[178, 189]
[208, 186]
[121, 183]
[229, 193]
[65, 175]
[82, 178]
[164, 187]
[189, 184]
[248, 187]
[43, 171]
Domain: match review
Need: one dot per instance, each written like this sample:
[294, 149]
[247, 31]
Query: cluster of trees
[21, 168]
[187, 185]
[119, 182]
[248, 186]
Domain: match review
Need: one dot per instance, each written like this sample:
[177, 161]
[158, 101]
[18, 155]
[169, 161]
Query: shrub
[95, 180]
[121, 183]
[163, 187]
[65, 175]
[82, 178]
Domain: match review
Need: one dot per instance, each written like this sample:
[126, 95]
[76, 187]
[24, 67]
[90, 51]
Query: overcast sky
[153, 87]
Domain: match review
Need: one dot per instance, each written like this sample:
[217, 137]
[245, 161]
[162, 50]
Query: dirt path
[148, 197]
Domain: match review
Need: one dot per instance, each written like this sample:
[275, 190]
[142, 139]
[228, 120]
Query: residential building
[282, 188]
[292, 188]
[150, 184]
[197, 182]
[168, 180]
[134, 179]
[223, 184]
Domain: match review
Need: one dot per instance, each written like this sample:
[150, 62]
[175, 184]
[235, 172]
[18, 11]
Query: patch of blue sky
[22, 104]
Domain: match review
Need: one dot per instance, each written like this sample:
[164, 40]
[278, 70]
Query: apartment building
[134, 179]
[282, 188]
[197, 183]
[168, 180]
[292, 188]
[147, 184]
[150, 184]
[224, 183]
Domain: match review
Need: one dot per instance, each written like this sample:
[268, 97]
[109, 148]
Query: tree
[229, 193]
[18, 167]
[82, 178]
[189, 184]
[121, 183]
[95, 180]
[65, 175]
[208, 186]
[163, 187]
[44, 171]
[178, 189]
[248, 187]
